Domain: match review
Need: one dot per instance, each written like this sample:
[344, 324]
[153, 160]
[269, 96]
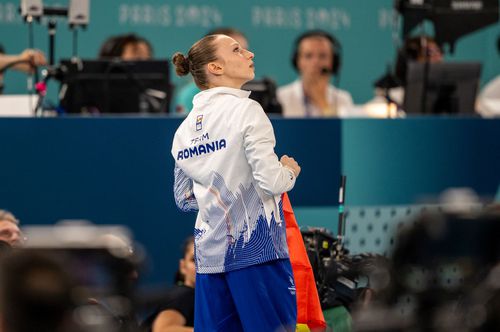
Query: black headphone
[336, 48]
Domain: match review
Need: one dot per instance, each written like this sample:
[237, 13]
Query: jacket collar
[205, 95]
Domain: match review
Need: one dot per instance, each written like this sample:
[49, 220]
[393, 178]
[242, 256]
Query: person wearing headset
[316, 57]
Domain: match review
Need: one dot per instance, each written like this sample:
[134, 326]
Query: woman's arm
[171, 321]
[183, 191]
[258, 136]
[24, 61]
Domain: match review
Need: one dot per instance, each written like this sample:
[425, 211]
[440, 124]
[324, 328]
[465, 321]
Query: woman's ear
[215, 68]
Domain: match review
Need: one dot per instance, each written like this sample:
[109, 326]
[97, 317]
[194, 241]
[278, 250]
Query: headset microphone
[325, 71]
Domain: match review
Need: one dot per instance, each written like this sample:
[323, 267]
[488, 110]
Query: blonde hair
[8, 216]
[201, 53]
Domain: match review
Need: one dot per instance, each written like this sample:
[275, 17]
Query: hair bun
[181, 64]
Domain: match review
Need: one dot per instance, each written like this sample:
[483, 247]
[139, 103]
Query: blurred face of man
[10, 233]
[315, 55]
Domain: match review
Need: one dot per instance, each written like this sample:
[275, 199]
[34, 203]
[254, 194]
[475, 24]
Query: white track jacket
[226, 169]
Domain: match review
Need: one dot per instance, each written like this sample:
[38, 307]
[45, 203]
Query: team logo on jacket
[201, 149]
[199, 122]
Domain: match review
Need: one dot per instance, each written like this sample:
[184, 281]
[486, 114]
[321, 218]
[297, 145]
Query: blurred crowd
[317, 60]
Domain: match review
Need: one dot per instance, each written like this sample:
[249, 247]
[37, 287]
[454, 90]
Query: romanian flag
[308, 307]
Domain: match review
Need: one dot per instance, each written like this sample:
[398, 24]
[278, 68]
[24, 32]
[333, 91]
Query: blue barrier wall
[119, 170]
[403, 161]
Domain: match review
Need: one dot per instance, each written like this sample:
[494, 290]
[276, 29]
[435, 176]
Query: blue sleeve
[183, 191]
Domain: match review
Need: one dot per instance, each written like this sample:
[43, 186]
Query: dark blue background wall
[119, 170]
[402, 161]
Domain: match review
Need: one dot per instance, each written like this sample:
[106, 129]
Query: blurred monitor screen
[451, 88]
[115, 86]
[264, 92]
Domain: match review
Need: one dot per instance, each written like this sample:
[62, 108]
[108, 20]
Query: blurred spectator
[420, 49]
[317, 58]
[177, 310]
[127, 47]
[389, 89]
[25, 61]
[488, 102]
[9, 229]
[184, 100]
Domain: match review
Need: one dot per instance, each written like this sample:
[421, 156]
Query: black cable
[31, 45]
[341, 221]
[424, 44]
[31, 38]
[75, 43]
[52, 26]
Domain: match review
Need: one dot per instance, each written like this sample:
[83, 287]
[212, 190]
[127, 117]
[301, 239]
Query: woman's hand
[290, 163]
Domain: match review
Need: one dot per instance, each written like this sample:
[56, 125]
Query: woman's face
[136, 51]
[240, 39]
[187, 266]
[315, 54]
[433, 55]
[235, 61]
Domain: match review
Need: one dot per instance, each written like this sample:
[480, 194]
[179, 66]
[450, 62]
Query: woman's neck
[223, 82]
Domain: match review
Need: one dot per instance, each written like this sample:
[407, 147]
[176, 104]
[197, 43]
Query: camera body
[335, 281]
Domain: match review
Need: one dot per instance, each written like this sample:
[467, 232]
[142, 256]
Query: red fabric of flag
[308, 306]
